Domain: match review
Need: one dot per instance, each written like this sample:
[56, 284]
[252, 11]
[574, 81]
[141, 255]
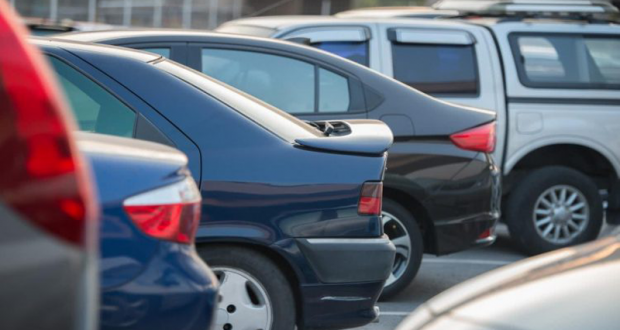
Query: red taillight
[171, 213]
[485, 234]
[371, 198]
[481, 138]
[41, 176]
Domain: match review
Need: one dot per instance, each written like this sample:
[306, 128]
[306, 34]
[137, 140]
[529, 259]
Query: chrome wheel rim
[561, 213]
[399, 236]
[244, 303]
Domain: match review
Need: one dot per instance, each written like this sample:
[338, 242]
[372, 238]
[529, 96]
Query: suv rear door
[563, 86]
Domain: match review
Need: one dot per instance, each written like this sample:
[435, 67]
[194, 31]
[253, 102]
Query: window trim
[444, 95]
[513, 39]
[105, 88]
[352, 79]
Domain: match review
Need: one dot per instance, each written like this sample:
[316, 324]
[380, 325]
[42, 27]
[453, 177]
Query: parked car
[570, 289]
[428, 206]
[48, 254]
[291, 211]
[552, 81]
[150, 274]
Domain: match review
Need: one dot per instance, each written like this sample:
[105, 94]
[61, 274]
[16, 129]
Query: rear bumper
[176, 291]
[463, 234]
[340, 306]
[351, 273]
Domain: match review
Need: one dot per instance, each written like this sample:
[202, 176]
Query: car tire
[398, 222]
[264, 284]
[529, 218]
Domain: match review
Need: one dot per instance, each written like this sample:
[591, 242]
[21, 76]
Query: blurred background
[196, 14]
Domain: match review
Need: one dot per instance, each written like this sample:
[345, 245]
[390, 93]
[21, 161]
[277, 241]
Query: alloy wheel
[561, 213]
[398, 234]
[244, 303]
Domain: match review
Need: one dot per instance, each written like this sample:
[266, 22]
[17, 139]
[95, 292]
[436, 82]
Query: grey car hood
[571, 289]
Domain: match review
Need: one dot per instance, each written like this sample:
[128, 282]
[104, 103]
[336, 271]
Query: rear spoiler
[368, 137]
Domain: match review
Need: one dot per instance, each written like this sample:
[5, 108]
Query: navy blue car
[291, 210]
[150, 274]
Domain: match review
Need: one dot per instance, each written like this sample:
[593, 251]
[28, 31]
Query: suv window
[567, 61]
[436, 69]
[354, 51]
[95, 108]
[292, 85]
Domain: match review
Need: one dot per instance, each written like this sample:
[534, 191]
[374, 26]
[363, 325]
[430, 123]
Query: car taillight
[170, 213]
[42, 176]
[481, 138]
[371, 198]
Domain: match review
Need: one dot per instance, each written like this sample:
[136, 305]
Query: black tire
[417, 247]
[522, 201]
[262, 269]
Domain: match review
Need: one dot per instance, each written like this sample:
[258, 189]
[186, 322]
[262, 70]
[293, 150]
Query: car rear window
[354, 51]
[567, 60]
[437, 69]
[274, 120]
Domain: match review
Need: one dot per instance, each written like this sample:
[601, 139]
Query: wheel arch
[411, 204]
[530, 156]
[285, 266]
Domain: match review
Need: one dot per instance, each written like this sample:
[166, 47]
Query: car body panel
[138, 273]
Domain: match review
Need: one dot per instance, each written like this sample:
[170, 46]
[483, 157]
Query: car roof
[403, 11]
[283, 22]
[161, 35]
[81, 46]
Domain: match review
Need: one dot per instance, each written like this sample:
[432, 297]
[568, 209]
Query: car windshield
[273, 119]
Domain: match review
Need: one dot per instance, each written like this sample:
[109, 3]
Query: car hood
[575, 288]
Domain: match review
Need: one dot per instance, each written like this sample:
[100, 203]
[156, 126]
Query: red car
[48, 228]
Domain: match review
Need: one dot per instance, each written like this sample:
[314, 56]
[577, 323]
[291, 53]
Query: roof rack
[590, 10]
[504, 6]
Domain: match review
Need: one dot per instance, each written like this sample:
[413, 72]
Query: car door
[293, 83]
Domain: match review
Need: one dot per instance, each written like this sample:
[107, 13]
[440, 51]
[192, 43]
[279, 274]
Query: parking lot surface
[439, 274]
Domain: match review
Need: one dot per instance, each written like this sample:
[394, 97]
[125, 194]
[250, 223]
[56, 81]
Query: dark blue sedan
[291, 210]
[150, 274]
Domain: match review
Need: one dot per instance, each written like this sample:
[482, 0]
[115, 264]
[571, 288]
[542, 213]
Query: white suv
[553, 80]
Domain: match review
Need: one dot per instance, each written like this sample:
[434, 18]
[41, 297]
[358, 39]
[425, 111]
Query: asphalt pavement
[439, 274]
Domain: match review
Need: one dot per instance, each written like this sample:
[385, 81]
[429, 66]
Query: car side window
[95, 109]
[295, 86]
[165, 52]
[354, 51]
[567, 61]
[333, 92]
[437, 69]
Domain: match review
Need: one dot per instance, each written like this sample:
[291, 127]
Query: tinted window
[354, 51]
[274, 120]
[333, 92]
[165, 52]
[436, 69]
[565, 61]
[95, 108]
[283, 82]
